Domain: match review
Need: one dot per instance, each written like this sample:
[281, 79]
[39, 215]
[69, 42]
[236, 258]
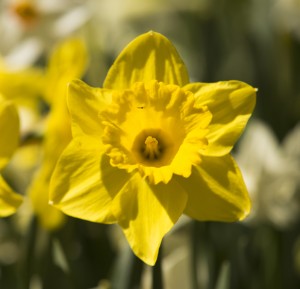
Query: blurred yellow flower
[24, 88]
[150, 146]
[9, 128]
[68, 61]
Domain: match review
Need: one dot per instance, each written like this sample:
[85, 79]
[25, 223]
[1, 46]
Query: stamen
[151, 151]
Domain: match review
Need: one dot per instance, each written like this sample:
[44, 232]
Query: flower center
[152, 150]
[153, 147]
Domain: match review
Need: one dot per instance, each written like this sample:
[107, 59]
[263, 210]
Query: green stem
[157, 278]
[194, 255]
[128, 271]
[27, 261]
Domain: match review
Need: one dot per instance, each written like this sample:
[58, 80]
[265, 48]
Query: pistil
[151, 151]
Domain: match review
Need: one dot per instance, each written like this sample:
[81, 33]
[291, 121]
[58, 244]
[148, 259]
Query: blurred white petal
[25, 54]
[270, 175]
[291, 144]
[71, 21]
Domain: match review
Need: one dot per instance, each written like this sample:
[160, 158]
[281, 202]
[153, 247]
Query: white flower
[272, 174]
[29, 28]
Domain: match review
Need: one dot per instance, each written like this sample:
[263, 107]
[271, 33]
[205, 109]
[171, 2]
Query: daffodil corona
[150, 146]
[155, 128]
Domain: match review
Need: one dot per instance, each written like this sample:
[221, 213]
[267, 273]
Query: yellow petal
[195, 141]
[68, 61]
[83, 183]
[146, 213]
[9, 200]
[85, 103]
[9, 128]
[150, 56]
[231, 104]
[216, 191]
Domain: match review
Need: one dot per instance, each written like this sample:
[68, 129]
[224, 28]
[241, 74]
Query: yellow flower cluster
[23, 90]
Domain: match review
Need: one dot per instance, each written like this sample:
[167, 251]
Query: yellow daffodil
[67, 62]
[150, 146]
[9, 140]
